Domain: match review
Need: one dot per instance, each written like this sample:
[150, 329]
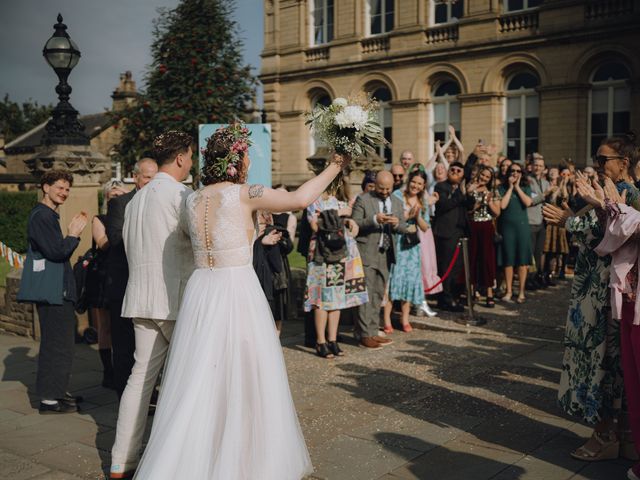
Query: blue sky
[113, 36]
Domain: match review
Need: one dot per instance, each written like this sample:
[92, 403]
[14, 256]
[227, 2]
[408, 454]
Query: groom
[160, 259]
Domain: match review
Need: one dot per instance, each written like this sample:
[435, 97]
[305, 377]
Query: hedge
[14, 213]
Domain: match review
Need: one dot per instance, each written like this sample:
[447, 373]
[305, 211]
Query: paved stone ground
[444, 402]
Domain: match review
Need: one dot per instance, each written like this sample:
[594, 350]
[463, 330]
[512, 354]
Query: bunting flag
[15, 259]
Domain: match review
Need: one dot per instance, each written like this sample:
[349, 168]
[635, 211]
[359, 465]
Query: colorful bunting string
[15, 259]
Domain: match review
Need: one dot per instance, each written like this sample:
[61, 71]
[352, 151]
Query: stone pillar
[563, 123]
[482, 118]
[412, 115]
[90, 169]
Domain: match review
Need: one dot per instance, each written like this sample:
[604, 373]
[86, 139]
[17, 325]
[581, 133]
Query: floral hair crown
[234, 140]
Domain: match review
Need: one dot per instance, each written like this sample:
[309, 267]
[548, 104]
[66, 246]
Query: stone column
[414, 134]
[482, 118]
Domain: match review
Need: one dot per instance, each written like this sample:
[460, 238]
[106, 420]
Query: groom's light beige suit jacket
[156, 240]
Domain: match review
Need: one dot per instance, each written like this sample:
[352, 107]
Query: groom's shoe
[121, 471]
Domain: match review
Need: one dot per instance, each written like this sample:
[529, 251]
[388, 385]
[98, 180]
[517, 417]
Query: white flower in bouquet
[340, 102]
[352, 116]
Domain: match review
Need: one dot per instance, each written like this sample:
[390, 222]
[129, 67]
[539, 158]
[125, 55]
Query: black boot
[107, 368]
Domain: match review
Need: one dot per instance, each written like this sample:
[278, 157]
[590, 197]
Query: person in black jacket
[57, 322]
[450, 224]
[122, 337]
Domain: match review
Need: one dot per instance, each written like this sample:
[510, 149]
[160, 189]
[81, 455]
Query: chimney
[125, 94]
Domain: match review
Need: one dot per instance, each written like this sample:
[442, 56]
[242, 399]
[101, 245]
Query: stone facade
[561, 44]
[18, 318]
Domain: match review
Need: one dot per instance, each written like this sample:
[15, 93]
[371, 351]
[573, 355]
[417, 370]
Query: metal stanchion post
[468, 318]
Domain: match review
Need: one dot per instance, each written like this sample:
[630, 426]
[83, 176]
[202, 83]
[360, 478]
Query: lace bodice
[220, 236]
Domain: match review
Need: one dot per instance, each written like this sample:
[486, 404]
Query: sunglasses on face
[398, 175]
[602, 159]
[456, 170]
[517, 170]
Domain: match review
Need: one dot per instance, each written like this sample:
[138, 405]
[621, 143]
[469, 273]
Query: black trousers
[538, 234]
[57, 344]
[123, 346]
[445, 247]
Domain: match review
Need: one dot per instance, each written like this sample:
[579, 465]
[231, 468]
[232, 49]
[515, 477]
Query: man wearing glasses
[398, 176]
[451, 224]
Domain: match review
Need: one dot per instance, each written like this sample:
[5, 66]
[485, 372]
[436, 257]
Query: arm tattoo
[256, 191]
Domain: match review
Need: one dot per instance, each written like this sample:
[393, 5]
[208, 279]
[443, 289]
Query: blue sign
[259, 151]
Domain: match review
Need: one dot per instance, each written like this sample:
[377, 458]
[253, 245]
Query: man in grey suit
[379, 215]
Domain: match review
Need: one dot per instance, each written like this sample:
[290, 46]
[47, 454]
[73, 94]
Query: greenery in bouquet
[348, 126]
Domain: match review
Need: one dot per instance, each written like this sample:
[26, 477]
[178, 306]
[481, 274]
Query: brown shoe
[369, 342]
[382, 341]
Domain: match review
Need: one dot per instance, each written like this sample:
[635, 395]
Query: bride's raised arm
[259, 197]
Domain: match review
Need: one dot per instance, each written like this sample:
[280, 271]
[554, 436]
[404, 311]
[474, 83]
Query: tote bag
[42, 280]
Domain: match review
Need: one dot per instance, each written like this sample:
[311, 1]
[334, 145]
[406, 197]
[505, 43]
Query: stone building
[554, 76]
[98, 127]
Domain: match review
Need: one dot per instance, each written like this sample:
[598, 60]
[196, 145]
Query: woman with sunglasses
[513, 224]
[591, 384]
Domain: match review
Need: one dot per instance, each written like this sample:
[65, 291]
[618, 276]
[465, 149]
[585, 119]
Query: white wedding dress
[225, 410]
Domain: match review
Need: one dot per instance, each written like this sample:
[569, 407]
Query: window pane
[382, 94]
[375, 7]
[447, 88]
[388, 135]
[595, 143]
[388, 7]
[515, 4]
[531, 106]
[454, 115]
[523, 80]
[611, 71]
[620, 123]
[513, 107]
[441, 13]
[534, 3]
[513, 129]
[513, 149]
[376, 25]
[600, 100]
[457, 9]
[599, 123]
[531, 145]
[531, 128]
[388, 24]
[621, 99]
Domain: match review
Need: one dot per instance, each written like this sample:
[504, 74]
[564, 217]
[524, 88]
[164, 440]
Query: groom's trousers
[152, 344]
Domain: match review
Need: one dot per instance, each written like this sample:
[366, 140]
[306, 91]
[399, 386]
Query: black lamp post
[62, 54]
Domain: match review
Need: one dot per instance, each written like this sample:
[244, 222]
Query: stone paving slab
[444, 402]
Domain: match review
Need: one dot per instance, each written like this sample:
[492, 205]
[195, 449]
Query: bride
[225, 410]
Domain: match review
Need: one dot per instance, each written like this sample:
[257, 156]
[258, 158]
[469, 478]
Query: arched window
[383, 95]
[610, 100]
[514, 5]
[521, 116]
[318, 97]
[445, 11]
[445, 111]
[321, 21]
[380, 16]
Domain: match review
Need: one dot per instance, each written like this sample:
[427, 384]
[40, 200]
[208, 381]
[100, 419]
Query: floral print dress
[334, 286]
[591, 385]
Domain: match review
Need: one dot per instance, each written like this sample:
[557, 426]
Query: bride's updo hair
[224, 155]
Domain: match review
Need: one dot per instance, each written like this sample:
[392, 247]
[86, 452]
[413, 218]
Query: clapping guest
[450, 225]
[48, 257]
[96, 282]
[513, 225]
[406, 274]
[556, 245]
[335, 277]
[485, 207]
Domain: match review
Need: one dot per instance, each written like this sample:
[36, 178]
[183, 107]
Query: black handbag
[410, 239]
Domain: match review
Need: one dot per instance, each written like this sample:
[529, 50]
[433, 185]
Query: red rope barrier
[449, 268]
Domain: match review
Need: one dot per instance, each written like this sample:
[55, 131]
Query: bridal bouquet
[350, 127]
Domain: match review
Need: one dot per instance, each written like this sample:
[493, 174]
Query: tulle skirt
[225, 410]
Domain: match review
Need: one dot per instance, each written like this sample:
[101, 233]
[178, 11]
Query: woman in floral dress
[405, 281]
[591, 385]
[332, 287]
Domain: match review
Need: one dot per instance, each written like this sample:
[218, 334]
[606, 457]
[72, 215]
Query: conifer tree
[196, 76]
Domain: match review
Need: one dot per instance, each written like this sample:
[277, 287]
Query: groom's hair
[169, 144]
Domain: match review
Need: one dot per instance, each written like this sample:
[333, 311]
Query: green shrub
[14, 214]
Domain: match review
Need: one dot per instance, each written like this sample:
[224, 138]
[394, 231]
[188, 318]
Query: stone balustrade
[597, 9]
[444, 33]
[524, 20]
[374, 44]
[317, 53]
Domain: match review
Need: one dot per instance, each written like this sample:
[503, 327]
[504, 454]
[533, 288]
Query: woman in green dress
[513, 225]
[591, 384]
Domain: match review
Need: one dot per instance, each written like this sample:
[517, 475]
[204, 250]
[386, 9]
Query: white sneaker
[427, 310]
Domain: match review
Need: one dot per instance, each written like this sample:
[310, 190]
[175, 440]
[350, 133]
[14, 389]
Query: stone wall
[18, 318]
